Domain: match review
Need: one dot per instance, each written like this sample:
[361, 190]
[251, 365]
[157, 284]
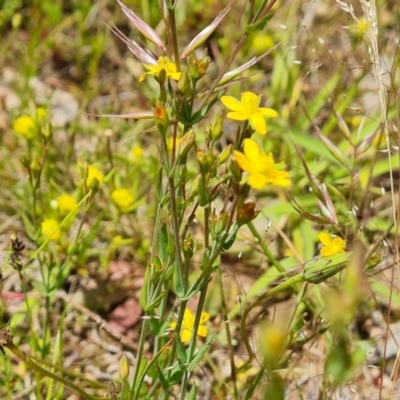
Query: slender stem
[265, 249]
[228, 335]
[142, 341]
[193, 342]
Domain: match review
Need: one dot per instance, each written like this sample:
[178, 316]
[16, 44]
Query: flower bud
[124, 367]
[35, 165]
[194, 70]
[184, 83]
[220, 222]
[161, 118]
[223, 157]
[47, 131]
[25, 161]
[246, 212]
[216, 128]
[205, 161]
[203, 65]
[188, 247]
[186, 143]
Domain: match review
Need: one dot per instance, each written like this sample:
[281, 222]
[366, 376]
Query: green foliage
[186, 205]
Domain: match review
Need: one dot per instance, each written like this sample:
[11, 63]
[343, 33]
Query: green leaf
[180, 349]
[156, 302]
[161, 376]
[144, 293]
[178, 281]
[163, 242]
[176, 377]
[142, 369]
[197, 358]
[259, 25]
[193, 393]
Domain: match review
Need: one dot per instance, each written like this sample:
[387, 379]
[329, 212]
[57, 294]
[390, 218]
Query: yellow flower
[363, 25]
[331, 245]
[248, 109]
[122, 198]
[188, 325]
[137, 151]
[164, 63]
[41, 114]
[25, 126]
[94, 173]
[66, 203]
[260, 166]
[50, 229]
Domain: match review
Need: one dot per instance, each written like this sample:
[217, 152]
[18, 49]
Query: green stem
[142, 341]
[265, 249]
[193, 342]
[228, 335]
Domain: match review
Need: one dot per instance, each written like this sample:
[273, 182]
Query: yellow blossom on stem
[92, 174]
[188, 326]
[331, 245]
[25, 126]
[66, 203]
[50, 229]
[122, 198]
[261, 167]
[248, 109]
[163, 63]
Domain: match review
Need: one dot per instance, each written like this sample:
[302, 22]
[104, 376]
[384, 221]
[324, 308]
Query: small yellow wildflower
[273, 342]
[261, 43]
[362, 26]
[188, 325]
[94, 173]
[331, 245]
[164, 63]
[122, 198]
[248, 109]
[260, 166]
[50, 229]
[41, 114]
[137, 151]
[66, 203]
[25, 126]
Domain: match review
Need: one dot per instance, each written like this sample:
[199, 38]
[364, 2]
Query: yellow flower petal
[66, 203]
[325, 251]
[259, 124]
[204, 317]
[186, 335]
[237, 116]
[231, 103]
[250, 99]
[248, 109]
[324, 238]
[268, 112]
[25, 126]
[202, 331]
[251, 150]
[244, 163]
[50, 229]
[257, 181]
